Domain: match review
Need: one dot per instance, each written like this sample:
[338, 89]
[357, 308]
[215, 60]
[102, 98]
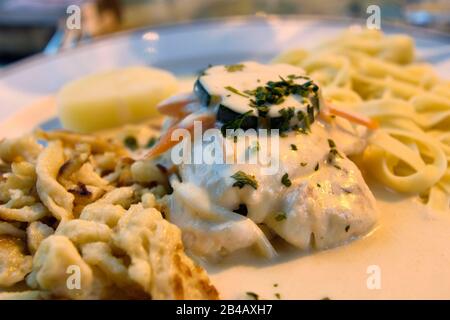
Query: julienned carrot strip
[165, 142]
[356, 118]
[174, 106]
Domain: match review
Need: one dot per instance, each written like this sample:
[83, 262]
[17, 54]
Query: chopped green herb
[275, 285]
[130, 142]
[280, 216]
[316, 167]
[243, 179]
[262, 110]
[303, 164]
[278, 296]
[236, 91]
[294, 147]
[299, 129]
[304, 122]
[294, 77]
[337, 167]
[253, 295]
[347, 228]
[234, 67]
[235, 123]
[310, 112]
[274, 92]
[151, 142]
[326, 298]
[286, 115]
[331, 143]
[285, 180]
[333, 153]
[256, 147]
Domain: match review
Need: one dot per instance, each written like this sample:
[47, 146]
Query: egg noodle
[376, 75]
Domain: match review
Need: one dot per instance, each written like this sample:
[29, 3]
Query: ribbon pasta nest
[81, 207]
[376, 75]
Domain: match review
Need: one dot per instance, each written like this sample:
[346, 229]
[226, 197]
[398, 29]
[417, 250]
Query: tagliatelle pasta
[376, 75]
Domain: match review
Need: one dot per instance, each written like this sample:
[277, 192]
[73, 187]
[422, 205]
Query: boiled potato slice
[113, 98]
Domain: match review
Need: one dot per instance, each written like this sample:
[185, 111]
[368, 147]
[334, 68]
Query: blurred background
[28, 27]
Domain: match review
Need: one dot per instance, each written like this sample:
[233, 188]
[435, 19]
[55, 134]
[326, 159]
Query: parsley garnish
[304, 122]
[236, 123]
[243, 179]
[347, 228]
[294, 147]
[331, 143]
[234, 67]
[333, 153]
[303, 164]
[278, 296]
[316, 167]
[294, 77]
[280, 216]
[274, 92]
[236, 91]
[285, 180]
[253, 295]
[256, 147]
[130, 142]
[286, 115]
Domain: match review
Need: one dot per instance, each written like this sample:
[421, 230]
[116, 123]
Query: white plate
[186, 49]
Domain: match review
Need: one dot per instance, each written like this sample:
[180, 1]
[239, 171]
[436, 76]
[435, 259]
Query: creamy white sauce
[322, 208]
[253, 75]
[411, 247]
[307, 199]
